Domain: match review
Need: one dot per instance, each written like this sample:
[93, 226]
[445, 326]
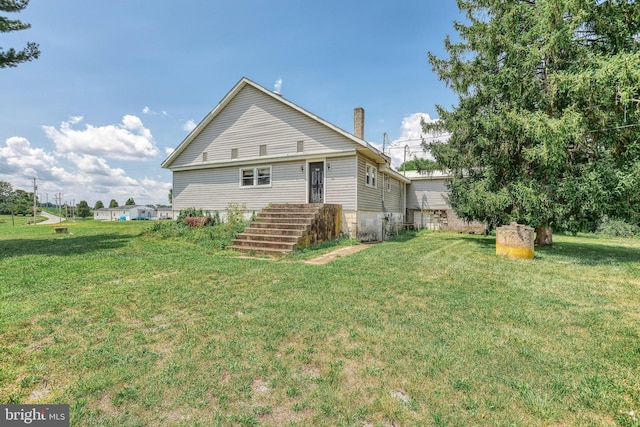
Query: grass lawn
[133, 330]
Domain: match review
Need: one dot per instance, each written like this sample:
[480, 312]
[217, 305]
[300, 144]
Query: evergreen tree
[11, 57]
[547, 124]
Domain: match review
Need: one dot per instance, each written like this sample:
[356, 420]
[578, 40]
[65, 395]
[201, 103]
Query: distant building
[126, 213]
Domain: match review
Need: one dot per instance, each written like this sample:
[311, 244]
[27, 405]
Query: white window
[264, 176]
[255, 177]
[246, 177]
[387, 182]
[371, 176]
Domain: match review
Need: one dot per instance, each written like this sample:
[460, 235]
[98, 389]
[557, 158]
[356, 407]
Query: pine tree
[11, 57]
[547, 124]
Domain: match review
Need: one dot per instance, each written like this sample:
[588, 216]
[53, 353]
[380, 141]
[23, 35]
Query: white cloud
[411, 136]
[17, 156]
[277, 87]
[77, 176]
[127, 141]
[169, 150]
[148, 111]
[189, 125]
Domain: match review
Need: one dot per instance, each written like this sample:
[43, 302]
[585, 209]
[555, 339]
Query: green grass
[433, 329]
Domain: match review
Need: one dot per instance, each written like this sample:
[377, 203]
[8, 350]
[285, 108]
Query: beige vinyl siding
[251, 119]
[427, 194]
[340, 182]
[214, 189]
[393, 199]
[369, 198]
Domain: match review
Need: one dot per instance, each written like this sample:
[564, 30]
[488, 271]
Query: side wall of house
[214, 189]
[427, 194]
[253, 118]
[379, 212]
[340, 182]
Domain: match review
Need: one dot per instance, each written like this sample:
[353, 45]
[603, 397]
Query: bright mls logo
[34, 415]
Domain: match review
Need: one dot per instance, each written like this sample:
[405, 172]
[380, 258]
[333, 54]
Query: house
[427, 205]
[257, 148]
[125, 213]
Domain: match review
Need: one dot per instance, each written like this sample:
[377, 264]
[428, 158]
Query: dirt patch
[328, 257]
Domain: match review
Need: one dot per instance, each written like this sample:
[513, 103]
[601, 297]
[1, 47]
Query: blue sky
[120, 83]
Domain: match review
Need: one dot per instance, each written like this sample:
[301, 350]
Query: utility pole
[58, 199]
[35, 201]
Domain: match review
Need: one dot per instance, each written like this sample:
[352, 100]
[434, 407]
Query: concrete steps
[278, 228]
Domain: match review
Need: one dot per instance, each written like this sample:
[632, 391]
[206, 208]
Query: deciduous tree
[113, 203]
[130, 202]
[98, 205]
[546, 130]
[83, 209]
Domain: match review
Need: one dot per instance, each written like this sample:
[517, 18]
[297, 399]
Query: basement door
[316, 182]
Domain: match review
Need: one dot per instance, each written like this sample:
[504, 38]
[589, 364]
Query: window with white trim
[387, 182]
[371, 174]
[255, 177]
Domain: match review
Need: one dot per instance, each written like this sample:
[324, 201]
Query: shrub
[198, 221]
[616, 228]
[194, 225]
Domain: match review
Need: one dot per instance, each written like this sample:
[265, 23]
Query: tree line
[20, 202]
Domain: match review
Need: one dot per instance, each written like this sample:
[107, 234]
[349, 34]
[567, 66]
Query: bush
[194, 225]
[187, 213]
[617, 228]
[198, 221]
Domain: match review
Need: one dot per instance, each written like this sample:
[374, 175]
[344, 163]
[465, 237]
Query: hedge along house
[257, 148]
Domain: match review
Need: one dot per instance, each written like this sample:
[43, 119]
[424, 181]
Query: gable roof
[234, 91]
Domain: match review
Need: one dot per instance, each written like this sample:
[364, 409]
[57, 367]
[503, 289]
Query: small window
[204, 156]
[253, 177]
[263, 150]
[234, 153]
[387, 182]
[247, 177]
[300, 147]
[370, 176]
[264, 176]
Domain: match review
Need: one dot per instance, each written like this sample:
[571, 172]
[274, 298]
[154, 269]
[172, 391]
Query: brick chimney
[358, 122]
